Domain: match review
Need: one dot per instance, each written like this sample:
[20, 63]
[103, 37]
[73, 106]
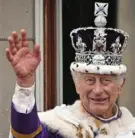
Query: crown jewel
[99, 45]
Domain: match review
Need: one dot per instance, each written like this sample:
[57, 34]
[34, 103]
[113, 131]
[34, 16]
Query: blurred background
[31, 15]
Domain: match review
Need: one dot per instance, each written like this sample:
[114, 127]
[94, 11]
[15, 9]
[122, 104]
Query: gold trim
[103, 131]
[32, 135]
[97, 122]
[79, 132]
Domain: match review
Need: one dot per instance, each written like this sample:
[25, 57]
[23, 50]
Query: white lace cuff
[23, 99]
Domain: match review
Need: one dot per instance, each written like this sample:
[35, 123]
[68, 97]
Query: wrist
[26, 81]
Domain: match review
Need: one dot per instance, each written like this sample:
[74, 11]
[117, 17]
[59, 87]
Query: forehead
[98, 75]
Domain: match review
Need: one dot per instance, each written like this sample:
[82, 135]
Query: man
[98, 74]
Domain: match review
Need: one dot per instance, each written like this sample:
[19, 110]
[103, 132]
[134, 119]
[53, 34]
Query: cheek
[83, 89]
[113, 92]
[86, 88]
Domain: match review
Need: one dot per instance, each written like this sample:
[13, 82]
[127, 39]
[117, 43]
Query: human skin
[98, 93]
[23, 61]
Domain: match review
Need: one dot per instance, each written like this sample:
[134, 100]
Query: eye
[106, 81]
[90, 81]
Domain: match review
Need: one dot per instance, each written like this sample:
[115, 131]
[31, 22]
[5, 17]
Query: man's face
[98, 93]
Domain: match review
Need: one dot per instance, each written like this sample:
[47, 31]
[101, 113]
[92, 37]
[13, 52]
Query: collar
[116, 116]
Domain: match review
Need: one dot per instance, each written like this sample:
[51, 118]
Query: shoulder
[59, 111]
[127, 117]
[60, 119]
[125, 112]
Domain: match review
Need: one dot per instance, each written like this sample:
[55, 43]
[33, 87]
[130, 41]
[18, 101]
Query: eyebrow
[109, 77]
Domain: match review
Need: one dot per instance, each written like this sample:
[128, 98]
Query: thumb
[36, 52]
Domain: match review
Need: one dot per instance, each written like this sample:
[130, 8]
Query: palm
[26, 64]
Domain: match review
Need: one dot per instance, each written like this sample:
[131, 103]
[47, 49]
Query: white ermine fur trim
[65, 119]
[98, 69]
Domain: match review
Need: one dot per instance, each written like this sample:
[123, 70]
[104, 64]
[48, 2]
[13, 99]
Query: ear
[123, 82]
[77, 88]
[121, 86]
[119, 90]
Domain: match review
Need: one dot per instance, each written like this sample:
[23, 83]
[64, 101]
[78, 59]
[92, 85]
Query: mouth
[99, 100]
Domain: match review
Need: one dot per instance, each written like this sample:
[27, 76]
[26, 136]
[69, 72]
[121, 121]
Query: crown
[99, 46]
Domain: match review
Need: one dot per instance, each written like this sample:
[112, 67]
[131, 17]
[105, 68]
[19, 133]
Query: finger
[23, 35]
[12, 45]
[16, 40]
[14, 50]
[24, 41]
[9, 55]
[36, 52]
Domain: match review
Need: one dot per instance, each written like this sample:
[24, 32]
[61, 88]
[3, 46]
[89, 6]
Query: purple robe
[26, 124]
[30, 126]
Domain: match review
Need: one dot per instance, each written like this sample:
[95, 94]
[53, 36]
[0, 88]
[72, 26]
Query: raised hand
[23, 61]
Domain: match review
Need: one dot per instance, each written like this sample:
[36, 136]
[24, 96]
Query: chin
[98, 109]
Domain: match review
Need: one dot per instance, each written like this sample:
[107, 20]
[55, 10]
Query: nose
[97, 88]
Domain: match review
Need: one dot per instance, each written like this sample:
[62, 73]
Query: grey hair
[76, 76]
[121, 78]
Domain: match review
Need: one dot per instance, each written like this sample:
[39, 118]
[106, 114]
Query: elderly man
[99, 76]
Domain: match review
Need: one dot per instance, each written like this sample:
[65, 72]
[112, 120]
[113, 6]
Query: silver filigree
[116, 47]
[102, 32]
[99, 41]
[98, 59]
[102, 50]
[81, 45]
